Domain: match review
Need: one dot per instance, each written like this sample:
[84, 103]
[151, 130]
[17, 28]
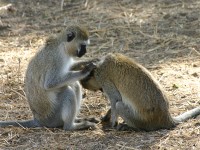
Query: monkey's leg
[69, 111]
[78, 92]
[76, 87]
[114, 96]
[106, 119]
[90, 119]
[127, 115]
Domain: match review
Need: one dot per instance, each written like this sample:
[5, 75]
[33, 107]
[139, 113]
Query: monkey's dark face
[82, 50]
[76, 49]
[91, 83]
[77, 42]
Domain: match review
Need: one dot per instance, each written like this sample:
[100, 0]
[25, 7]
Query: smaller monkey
[52, 88]
[134, 95]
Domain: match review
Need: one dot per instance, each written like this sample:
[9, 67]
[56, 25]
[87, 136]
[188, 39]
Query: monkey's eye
[70, 36]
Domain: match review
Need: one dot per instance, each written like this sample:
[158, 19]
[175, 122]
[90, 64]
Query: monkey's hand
[88, 68]
[95, 60]
[79, 65]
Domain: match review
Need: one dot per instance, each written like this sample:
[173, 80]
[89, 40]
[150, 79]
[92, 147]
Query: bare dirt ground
[163, 35]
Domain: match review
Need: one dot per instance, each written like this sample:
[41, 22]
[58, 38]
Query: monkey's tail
[187, 115]
[24, 123]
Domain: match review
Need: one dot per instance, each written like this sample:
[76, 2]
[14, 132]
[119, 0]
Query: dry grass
[162, 35]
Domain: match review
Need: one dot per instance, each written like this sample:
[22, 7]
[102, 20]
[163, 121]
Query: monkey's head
[90, 82]
[76, 39]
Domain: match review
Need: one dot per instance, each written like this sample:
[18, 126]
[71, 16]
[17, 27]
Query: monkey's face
[77, 41]
[76, 47]
[90, 83]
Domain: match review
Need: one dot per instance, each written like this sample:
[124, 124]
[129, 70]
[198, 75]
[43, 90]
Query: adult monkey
[52, 89]
[134, 95]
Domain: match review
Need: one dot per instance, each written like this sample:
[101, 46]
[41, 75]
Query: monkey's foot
[125, 127]
[91, 125]
[89, 119]
[109, 125]
[93, 119]
[107, 116]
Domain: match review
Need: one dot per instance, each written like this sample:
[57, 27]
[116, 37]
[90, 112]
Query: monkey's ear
[70, 36]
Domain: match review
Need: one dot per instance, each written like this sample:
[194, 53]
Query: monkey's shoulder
[121, 60]
[121, 64]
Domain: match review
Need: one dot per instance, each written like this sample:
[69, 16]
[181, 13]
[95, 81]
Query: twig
[87, 108]
[49, 130]
[125, 147]
[61, 6]
[99, 25]
[18, 94]
[98, 30]
[161, 77]
[193, 49]
[21, 125]
[173, 5]
[155, 48]
[147, 35]
[162, 140]
[86, 3]
[6, 141]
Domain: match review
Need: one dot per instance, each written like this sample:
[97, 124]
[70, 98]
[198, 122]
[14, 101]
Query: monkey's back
[37, 96]
[139, 90]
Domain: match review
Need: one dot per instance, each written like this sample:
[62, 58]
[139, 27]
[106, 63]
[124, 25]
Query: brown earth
[163, 35]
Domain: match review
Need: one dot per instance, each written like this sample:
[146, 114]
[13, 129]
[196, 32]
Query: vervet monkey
[52, 89]
[134, 95]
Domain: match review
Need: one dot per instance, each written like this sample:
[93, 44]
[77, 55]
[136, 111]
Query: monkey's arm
[56, 81]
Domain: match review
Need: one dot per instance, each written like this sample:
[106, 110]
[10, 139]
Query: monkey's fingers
[91, 125]
[96, 60]
[93, 119]
[92, 66]
[89, 67]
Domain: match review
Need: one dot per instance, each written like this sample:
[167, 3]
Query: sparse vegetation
[162, 35]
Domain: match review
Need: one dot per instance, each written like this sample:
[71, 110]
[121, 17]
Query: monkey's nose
[82, 50]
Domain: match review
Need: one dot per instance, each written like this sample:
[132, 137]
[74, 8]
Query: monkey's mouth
[82, 50]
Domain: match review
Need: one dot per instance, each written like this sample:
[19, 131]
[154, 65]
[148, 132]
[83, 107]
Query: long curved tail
[24, 123]
[188, 115]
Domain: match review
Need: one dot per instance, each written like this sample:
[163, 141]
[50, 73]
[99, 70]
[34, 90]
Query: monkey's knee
[120, 107]
[69, 105]
[123, 109]
[78, 93]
